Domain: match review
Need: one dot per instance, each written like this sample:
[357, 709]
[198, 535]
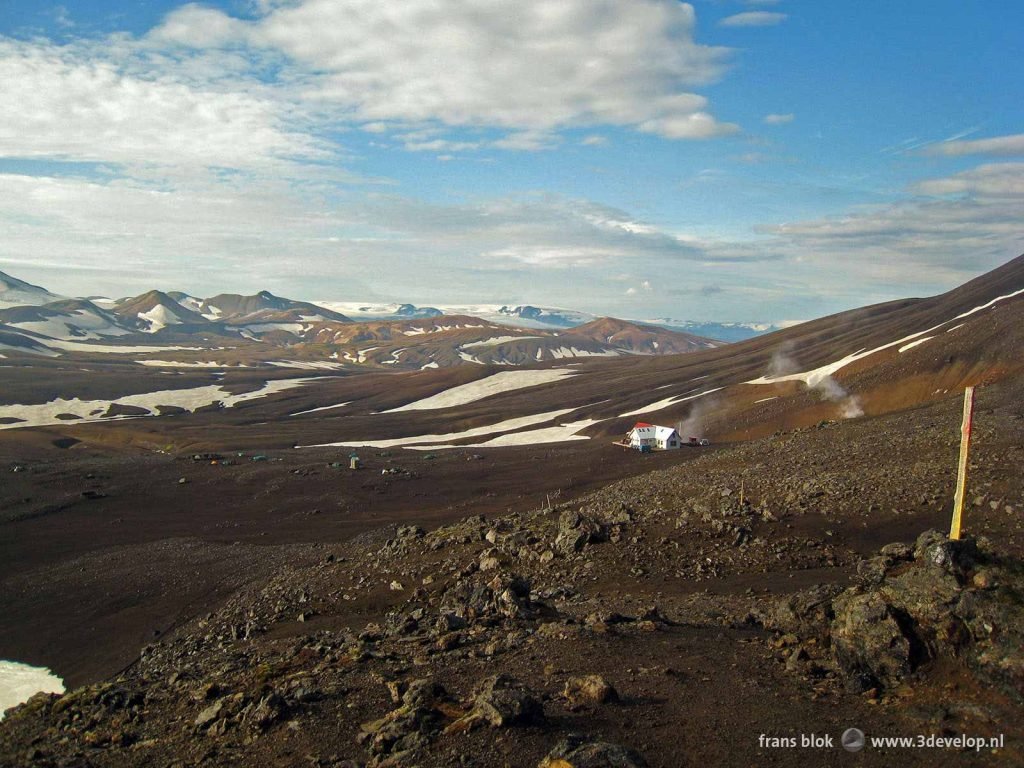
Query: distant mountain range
[264, 329]
[728, 332]
[530, 316]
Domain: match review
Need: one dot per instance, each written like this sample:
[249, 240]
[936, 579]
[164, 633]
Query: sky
[727, 160]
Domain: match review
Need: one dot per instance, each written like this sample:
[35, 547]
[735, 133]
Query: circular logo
[853, 739]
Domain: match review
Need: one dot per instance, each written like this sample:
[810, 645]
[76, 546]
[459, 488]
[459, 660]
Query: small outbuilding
[650, 437]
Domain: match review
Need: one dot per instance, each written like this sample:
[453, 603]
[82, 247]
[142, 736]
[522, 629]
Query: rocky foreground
[670, 619]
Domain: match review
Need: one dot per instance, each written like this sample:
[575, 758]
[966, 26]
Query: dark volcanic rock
[946, 598]
[502, 701]
[576, 531]
[868, 642]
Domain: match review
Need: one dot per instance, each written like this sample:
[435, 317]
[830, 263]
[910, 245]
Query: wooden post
[961, 475]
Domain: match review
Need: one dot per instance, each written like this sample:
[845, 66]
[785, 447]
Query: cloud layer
[214, 150]
[62, 104]
[512, 64]
[998, 145]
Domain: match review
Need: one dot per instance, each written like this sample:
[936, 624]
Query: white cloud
[61, 102]
[594, 140]
[195, 26]
[211, 119]
[995, 180]
[441, 145]
[530, 66]
[998, 145]
[753, 19]
[697, 125]
[199, 235]
[776, 119]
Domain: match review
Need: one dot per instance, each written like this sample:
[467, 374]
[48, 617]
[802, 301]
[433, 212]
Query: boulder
[805, 613]
[868, 643]
[502, 701]
[954, 556]
[588, 691]
[579, 752]
[209, 714]
[409, 727]
[576, 531]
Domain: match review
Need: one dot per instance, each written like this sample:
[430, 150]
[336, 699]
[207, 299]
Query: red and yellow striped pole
[961, 475]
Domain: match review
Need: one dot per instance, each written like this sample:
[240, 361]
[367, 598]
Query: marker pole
[961, 475]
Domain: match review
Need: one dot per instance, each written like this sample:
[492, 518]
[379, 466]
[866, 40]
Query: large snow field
[560, 433]
[490, 429]
[191, 399]
[497, 383]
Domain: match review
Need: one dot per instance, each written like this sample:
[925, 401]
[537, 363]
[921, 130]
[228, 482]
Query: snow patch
[307, 365]
[111, 349]
[180, 364]
[986, 305]
[362, 354]
[321, 408]
[661, 404]
[472, 391]
[816, 376]
[293, 328]
[557, 434]
[159, 317]
[562, 352]
[88, 324]
[45, 414]
[501, 426]
[913, 344]
[496, 340]
[20, 682]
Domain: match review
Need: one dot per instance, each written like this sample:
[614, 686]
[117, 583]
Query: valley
[187, 493]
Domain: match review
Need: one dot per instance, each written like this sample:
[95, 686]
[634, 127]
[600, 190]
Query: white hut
[651, 437]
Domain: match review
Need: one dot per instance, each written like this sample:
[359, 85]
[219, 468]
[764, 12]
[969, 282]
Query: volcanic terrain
[498, 584]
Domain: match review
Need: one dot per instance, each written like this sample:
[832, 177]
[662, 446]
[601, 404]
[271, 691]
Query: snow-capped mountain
[18, 293]
[552, 318]
[549, 318]
[238, 309]
[264, 329]
[65, 319]
[728, 332]
[154, 311]
[641, 339]
[361, 310]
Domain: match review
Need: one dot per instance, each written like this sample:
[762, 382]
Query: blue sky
[727, 160]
